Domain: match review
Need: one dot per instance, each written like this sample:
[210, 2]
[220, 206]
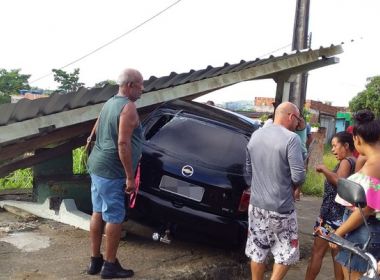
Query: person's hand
[319, 168]
[333, 246]
[297, 194]
[130, 186]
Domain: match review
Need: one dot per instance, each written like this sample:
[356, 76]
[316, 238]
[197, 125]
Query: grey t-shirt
[274, 161]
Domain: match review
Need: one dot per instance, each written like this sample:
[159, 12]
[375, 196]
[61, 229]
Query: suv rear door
[201, 162]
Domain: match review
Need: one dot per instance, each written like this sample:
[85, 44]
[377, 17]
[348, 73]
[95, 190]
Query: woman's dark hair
[366, 126]
[345, 137]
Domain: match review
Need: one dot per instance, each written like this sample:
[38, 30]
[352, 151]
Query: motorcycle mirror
[352, 192]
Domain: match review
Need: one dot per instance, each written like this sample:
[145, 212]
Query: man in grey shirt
[274, 161]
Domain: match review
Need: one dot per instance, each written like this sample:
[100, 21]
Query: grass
[18, 179]
[23, 178]
[314, 181]
[79, 158]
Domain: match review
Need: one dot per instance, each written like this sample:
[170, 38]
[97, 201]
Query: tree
[306, 114]
[12, 81]
[368, 98]
[264, 117]
[69, 82]
[5, 98]
[106, 82]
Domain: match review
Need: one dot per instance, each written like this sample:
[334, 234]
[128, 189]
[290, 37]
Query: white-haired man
[112, 164]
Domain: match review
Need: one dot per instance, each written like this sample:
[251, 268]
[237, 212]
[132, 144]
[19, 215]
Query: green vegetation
[104, 83]
[328, 158]
[314, 180]
[69, 82]
[264, 117]
[19, 179]
[79, 161]
[368, 98]
[23, 178]
[313, 184]
[306, 114]
[10, 83]
[4, 98]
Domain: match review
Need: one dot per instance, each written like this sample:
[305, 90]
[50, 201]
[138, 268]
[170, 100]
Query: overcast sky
[40, 35]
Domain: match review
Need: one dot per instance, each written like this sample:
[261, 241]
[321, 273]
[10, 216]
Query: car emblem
[187, 171]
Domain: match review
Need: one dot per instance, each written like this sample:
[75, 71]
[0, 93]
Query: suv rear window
[199, 141]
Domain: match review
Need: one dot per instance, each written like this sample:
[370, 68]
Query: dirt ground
[44, 249]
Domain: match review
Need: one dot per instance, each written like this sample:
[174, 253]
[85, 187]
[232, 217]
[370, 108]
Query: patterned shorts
[274, 232]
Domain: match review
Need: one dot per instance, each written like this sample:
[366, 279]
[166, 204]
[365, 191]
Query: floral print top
[371, 186]
[330, 210]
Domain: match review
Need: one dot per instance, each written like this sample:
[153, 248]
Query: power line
[112, 41]
[276, 50]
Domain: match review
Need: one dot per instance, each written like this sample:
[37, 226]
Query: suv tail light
[244, 200]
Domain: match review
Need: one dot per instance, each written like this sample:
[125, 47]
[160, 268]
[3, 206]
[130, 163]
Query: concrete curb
[68, 212]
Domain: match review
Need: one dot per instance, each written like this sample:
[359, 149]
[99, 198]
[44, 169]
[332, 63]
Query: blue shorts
[359, 236]
[108, 198]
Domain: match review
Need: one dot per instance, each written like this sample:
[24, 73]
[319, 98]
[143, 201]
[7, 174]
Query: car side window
[155, 124]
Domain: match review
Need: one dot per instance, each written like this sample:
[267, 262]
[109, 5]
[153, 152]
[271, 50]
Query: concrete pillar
[300, 41]
[283, 88]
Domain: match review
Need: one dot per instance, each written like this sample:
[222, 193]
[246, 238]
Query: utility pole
[297, 94]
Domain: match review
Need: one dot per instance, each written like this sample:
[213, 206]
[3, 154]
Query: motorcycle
[354, 193]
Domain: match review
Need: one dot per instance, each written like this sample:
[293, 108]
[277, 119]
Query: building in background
[242, 105]
[343, 120]
[321, 114]
[28, 94]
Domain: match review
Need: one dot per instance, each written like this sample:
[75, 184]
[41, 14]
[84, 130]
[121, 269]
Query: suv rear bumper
[231, 230]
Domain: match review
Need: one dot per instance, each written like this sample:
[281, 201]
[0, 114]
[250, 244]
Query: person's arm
[96, 125]
[354, 221]
[93, 130]
[128, 121]
[343, 171]
[248, 168]
[248, 163]
[296, 163]
[297, 193]
[360, 162]
[89, 138]
[309, 136]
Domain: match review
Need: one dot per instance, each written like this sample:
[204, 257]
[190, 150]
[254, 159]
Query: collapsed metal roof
[33, 124]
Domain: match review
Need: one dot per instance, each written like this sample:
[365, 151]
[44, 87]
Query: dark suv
[193, 169]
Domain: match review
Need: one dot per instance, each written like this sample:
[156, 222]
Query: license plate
[181, 188]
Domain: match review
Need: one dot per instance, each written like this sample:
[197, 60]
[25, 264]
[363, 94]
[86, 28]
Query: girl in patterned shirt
[367, 142]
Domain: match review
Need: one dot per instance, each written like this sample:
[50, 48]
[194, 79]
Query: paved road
[63, 252]
[307, 210]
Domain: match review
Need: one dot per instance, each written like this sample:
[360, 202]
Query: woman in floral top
[367, 142]
[331, 213]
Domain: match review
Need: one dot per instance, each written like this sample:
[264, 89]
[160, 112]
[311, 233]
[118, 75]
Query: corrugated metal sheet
[28, 109]
[67, 119]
